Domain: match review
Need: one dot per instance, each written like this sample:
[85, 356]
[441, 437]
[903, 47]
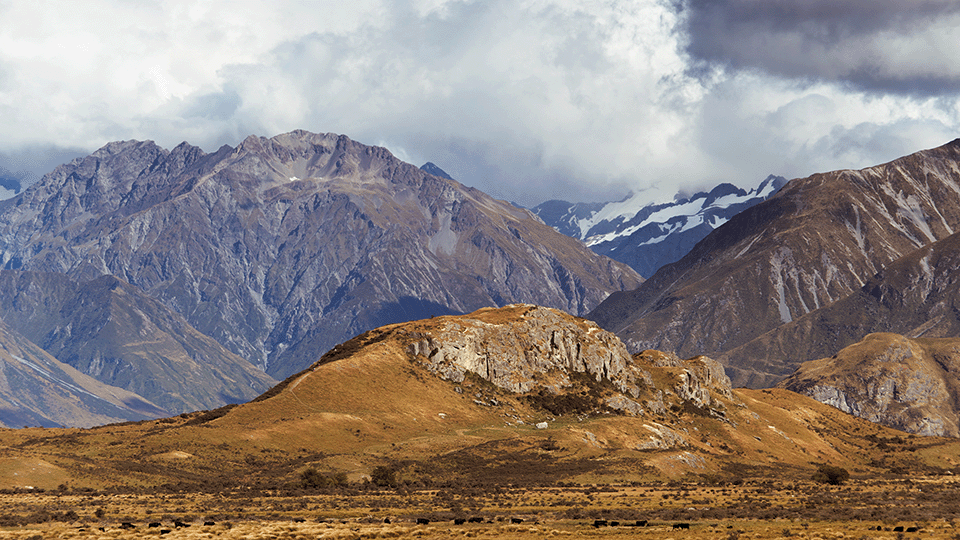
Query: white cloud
[526, 100]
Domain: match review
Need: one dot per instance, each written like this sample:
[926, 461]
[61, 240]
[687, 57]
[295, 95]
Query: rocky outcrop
[524, 348]
[699, 379]
[908, 384]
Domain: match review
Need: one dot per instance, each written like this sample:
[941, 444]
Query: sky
[527, 100]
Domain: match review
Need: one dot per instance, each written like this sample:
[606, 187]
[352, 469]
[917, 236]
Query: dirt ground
[894, 509]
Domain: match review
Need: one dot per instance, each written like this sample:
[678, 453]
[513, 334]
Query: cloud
[526, 100]
[881, 45]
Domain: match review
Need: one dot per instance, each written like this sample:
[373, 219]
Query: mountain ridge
[280, 248]
[648, 236]
[112, 331]
[816, 241]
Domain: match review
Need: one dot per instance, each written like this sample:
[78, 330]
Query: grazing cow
[459, 521]
[423, 521]
[614, 523]
[475, 520]
[599, 523]
[386, 521]
[681, 525]
[911, 529]
[165, 531]
[641, 523]
[154, 524]
[516, 521]
[898, 528]
[178, 524]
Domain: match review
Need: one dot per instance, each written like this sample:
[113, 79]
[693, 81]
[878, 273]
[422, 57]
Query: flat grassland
[892, 508]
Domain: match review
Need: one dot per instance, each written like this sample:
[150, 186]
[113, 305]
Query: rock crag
[526, 348]
[907, 384]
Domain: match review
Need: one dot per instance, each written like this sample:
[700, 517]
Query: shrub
[383, 476]
[830, 474]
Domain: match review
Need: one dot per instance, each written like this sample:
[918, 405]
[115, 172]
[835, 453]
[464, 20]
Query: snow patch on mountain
[649, 235]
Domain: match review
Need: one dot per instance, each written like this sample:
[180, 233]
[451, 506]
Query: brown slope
[38, 390]
[917, 295]
[815, 242]
[283, 247]
[386, 398]
[112, 331]
[908, 384]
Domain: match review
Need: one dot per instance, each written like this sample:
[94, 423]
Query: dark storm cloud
[878, 46]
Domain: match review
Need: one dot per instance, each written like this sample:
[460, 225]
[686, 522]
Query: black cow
[154, 524]
[475, 520]
[641, 523]
[459, 521]
[681, 525]
[423, 521]
[600, 523]
[516, 521]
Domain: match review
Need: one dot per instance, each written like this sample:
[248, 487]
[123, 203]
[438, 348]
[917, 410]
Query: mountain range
[827, 260]
[140, 282]
[646, 235]
[272, 252]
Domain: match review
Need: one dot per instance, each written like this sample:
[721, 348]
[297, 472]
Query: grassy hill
[370, 404]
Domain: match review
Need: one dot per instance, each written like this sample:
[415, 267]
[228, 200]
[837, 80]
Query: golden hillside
[379, 401]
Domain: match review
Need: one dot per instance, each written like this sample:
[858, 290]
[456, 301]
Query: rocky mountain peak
[285, 246]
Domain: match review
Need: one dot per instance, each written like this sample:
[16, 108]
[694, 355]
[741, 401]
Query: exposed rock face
[699, 380]
[281, 248]
[115, 333]
[532, 347]
[524, 348]
[817, 241]
[908, 384]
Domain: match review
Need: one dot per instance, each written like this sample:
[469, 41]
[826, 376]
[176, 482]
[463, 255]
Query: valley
[927, 507]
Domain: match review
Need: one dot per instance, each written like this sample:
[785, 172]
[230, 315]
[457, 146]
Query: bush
[829, 474]
[383, 476]
[313, 479]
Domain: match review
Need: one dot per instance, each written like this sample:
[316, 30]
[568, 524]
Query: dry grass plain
[892, 508]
